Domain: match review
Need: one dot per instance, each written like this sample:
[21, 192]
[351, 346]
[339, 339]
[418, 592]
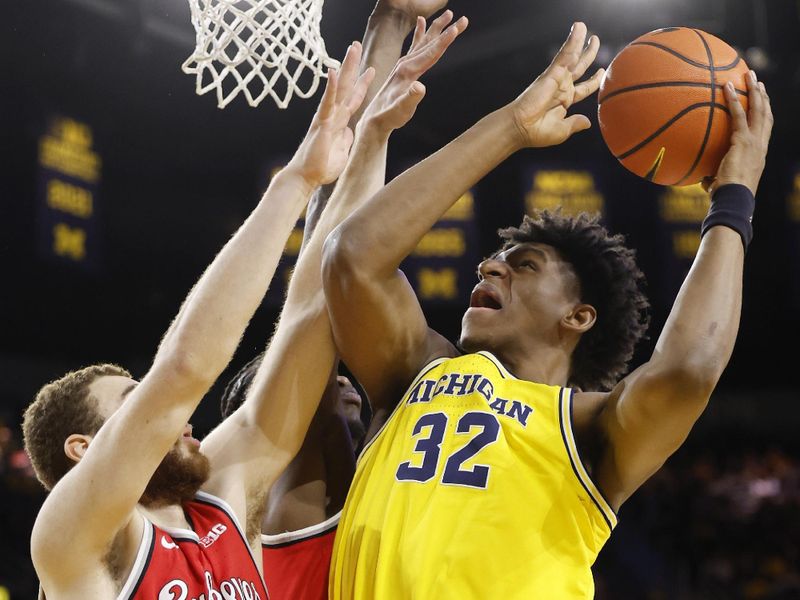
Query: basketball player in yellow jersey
[495, 473]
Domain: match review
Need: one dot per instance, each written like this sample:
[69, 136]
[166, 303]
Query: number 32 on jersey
[479, 429]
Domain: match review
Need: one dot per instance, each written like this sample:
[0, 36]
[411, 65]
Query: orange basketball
[662, 109]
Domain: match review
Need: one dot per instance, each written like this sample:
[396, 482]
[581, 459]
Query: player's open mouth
[485, 297]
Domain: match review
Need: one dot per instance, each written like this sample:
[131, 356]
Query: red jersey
[212, 561]
[296, 563]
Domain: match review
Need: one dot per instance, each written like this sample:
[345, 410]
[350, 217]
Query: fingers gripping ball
[662, 108]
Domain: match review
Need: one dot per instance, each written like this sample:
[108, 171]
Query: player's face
[523, 295]
[184, 468]
[349, 407]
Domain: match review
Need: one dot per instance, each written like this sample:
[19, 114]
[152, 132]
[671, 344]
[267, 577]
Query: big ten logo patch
[213, 535]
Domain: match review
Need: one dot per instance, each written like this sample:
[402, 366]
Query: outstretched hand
[396, 102]
[540, 112]
[745, 160]
[322, 155]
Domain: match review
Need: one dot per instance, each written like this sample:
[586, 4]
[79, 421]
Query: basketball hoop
[259, 48]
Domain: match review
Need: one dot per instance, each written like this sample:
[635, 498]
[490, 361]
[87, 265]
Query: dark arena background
[99, 248]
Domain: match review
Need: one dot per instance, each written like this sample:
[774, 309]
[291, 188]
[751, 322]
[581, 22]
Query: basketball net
[259, 48]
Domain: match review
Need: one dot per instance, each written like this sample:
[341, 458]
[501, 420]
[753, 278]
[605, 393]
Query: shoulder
[436, 347]
[439, 347]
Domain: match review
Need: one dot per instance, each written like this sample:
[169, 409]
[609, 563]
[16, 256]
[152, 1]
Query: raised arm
[97, 497]
[387, 28]
[252, 447]
[650, 413]
[362, 281]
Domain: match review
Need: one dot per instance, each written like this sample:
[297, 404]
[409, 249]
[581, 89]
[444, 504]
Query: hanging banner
[662, 223]
[68, 179]
[442, 267]
[681, 211]
[571, 190]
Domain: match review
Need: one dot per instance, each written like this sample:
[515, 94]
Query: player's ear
[75, 446]
[580, 319]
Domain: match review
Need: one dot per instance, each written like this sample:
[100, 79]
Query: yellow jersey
[472, 489]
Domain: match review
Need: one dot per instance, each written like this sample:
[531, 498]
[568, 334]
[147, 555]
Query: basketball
[662, 108]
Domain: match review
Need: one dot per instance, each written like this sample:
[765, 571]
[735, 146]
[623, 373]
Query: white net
[259, 48]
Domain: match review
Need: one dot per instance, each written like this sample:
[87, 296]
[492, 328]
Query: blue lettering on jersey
[499, 406]
[520, 412]
[486, 389]
[460, 384]
[423, 392]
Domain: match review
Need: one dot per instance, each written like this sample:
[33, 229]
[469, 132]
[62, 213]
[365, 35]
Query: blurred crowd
[711, 524]
[20, 498]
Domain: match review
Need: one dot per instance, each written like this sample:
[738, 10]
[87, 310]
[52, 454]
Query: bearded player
[496, 475]
[138, 508]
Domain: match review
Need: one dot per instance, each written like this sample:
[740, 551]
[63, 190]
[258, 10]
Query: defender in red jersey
[179, 563]
[124, 518]
[297, 562]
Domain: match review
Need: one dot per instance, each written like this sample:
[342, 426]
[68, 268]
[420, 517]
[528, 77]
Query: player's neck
[542, 365]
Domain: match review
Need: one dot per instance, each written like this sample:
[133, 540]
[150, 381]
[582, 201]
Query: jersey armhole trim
[143, 557]
[206, 498]
[288, 538]
[424, 371]
[565, 421]
[184, 535]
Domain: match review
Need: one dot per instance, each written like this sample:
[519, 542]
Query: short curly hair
[610, 281]
[61, 408]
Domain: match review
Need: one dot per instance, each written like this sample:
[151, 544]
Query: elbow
[340, 254]
[697, 382]
[701, 373]
[188, 371]
[351, 262]
[688, 382]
